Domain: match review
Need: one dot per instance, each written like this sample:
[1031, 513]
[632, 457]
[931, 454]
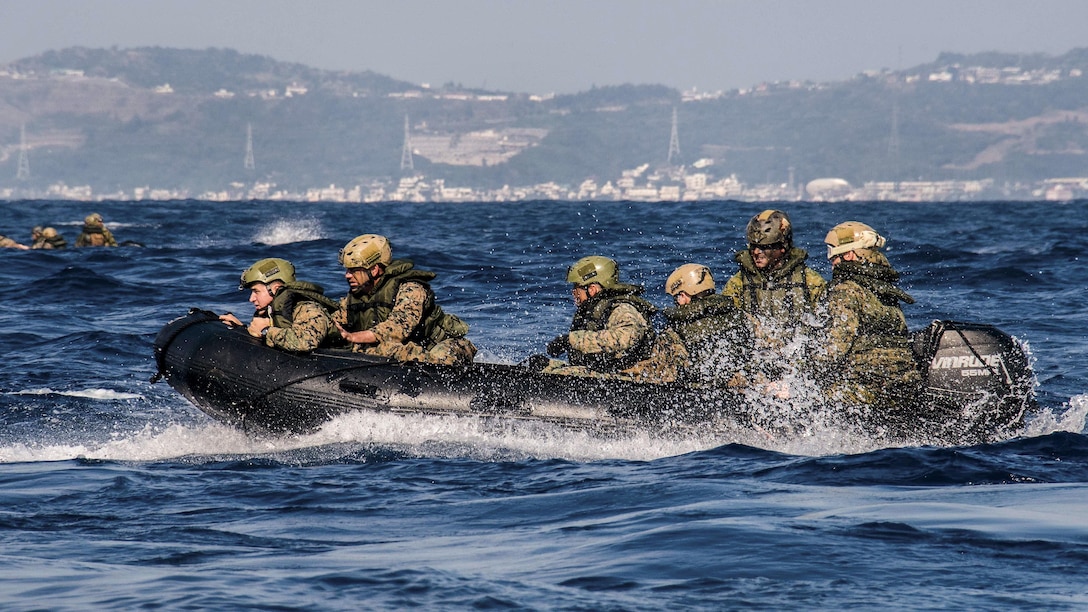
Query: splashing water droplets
[286, 231]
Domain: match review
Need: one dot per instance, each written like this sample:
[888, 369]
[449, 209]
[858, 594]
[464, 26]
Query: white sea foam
[286, 231]
[1073, 419]
[148, 444]
[98, 394]
[471, 437]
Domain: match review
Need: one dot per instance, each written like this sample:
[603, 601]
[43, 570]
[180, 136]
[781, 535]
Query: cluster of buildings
[665, 183]
[639, 185]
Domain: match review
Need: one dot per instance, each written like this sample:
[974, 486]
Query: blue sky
[562, 46]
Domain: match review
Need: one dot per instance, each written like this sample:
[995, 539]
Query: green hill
[116, 119]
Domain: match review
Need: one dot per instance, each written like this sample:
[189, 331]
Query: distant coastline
[169, 124]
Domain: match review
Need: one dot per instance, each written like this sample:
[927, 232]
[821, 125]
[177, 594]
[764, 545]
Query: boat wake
[376, 437]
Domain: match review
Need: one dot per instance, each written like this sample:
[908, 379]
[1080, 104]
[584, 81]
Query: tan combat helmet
[852, 236]
[266, 271]
[770, 227]
[691, 279]
[594, 269]
[49, 232]
[93, 220]
[365, 251]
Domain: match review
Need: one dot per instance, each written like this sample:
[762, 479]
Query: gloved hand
[559, 345]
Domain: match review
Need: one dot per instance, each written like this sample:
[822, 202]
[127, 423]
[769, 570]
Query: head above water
[93, 220]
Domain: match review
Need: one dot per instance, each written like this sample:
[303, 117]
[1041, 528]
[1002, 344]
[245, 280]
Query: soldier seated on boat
[390, 309]
[776, 290]
[95, 233]
[867, 359]
[46, 238]
[291, 315]
[611, 328]
[706, 339]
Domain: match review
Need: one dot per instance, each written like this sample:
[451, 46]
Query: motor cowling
[969, 363]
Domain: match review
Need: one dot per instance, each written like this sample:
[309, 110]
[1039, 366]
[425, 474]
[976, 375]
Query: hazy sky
[562, 46]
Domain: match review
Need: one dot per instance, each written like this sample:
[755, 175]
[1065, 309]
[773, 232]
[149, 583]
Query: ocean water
[118, 494]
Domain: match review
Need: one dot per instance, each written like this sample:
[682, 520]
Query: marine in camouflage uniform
[611, 327]
[302, 319]
[868, 359]
[47, 238]
[290, 315]
[396, 308]
[782, 294]
[776, 290]
[8, 243]
[707, 340]
[95, 233]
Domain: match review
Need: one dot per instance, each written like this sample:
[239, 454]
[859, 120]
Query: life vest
[784, 293]
[95, 235]
[885, 326]
[56, 242]
[282, 308]
[705, 322]
[366, 311]
[592, 315]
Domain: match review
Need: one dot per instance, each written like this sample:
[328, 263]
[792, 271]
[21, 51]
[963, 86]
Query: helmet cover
[691, 279]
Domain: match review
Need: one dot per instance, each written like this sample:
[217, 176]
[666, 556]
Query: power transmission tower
[674, 140]
[406, 153]
[23, 173]
[893, 138]
[249, 163]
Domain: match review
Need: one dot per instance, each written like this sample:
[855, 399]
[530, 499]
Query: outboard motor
[976, 365]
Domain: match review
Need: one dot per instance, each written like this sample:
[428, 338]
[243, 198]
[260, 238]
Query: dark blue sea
[117, 494]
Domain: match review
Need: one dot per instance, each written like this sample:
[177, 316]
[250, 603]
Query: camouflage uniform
[8, 243]
[784, 293]
[48, 239]
[706, 341]
[776, 303]
[667, 362]
[95, 235]
[410, 328]
[868, 359]
[301, 319]
[610, 332]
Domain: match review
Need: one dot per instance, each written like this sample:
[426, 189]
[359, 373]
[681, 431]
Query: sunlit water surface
[118, 494]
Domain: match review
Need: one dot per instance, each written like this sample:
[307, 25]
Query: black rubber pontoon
[980, 386]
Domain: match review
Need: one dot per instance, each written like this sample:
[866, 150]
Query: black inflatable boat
[980, 386]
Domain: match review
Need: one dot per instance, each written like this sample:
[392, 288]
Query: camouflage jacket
[611, 331]
[401, 309]
[56, 242]
[716, 335]
[95, 236]
[783, 293]
[301, 319]
[867, 343]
